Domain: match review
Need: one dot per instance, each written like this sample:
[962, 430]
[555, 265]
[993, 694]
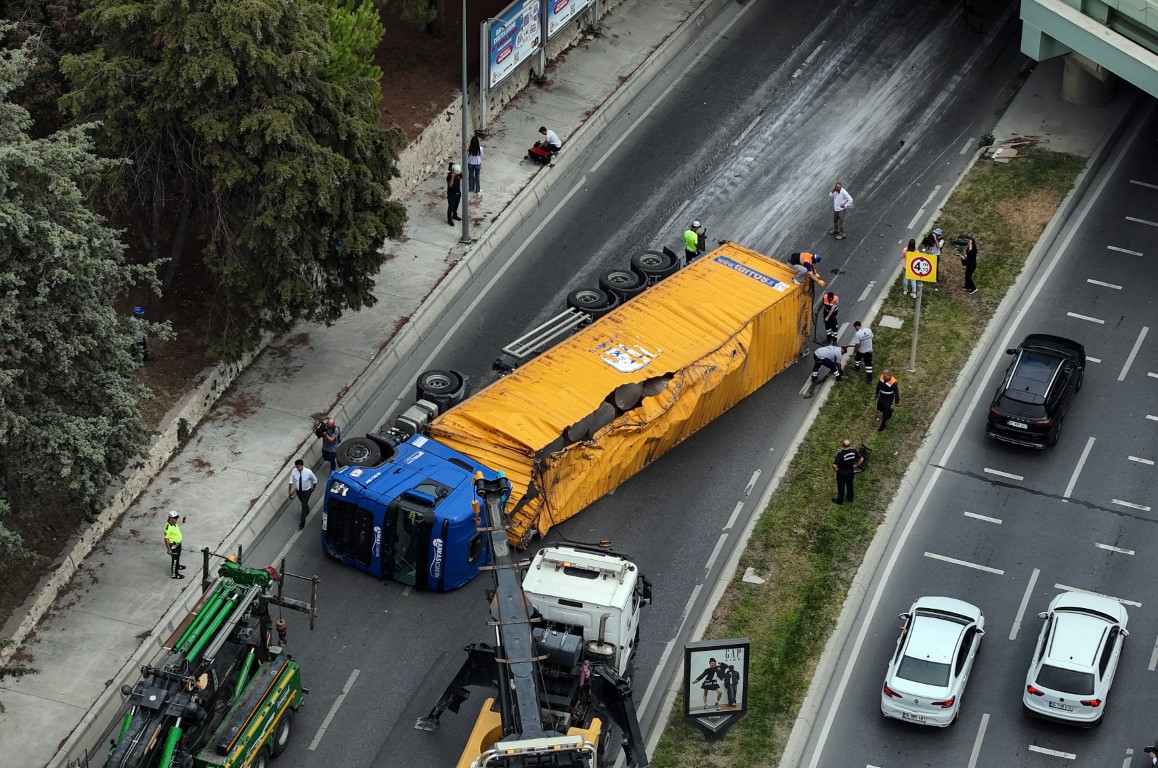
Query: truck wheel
[612, 303]
[624, 283]
[587, 299]
[359, 452]
[654, 266]
[262, 759]
[437, 382]
[281, 734]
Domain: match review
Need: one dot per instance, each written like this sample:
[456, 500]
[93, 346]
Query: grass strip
[808, 548]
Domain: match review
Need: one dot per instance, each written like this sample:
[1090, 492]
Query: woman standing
[906, 282]
[474, 156]
[969, 261]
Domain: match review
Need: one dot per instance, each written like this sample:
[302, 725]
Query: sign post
[922, 268]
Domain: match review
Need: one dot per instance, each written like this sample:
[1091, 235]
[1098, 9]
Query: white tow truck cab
[590, 603]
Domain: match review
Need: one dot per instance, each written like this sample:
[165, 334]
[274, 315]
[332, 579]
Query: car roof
[1076, 639]
[1032, 373]
[933, 638]
[948, 605]
[1086, 601]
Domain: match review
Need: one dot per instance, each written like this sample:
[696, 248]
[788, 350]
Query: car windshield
[1021, 404]
[923, 671]
[1065, 680]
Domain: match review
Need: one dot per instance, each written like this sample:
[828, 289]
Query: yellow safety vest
[172, 533]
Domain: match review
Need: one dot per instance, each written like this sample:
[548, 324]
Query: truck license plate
[914, 718]
[1016, 424]
[1061, 706]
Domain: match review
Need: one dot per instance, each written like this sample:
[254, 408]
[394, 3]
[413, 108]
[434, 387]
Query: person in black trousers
[969, 261]
[844, 465]
[888, 395]
[453, 193]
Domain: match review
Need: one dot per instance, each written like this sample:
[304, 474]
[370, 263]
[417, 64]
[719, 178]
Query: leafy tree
[69, 414]
[417, 12]
[50, 29]
[246, 135]
[356, 32]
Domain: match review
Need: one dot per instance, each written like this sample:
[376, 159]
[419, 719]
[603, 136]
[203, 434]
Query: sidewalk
[229, 479]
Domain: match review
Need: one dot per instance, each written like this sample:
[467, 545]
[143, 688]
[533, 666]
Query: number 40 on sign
[921, 266]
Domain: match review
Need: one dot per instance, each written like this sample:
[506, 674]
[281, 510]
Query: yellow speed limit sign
[920, 266]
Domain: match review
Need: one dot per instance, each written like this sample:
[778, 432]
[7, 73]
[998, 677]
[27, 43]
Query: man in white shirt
[841, 200]
[827, 357]
[863, 350]
[552, 143]
[302, 482]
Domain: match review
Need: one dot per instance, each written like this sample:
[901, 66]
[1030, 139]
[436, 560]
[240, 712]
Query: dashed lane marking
[1131, 505]
[1087, 318]
[1123, 250]
[999, 473]
[716, 552]
[1140, 460]
[1104, 285]
[1121, 600]
[1144, 184]
[1134, 352]
[1152, 375]
[1110, 548]
[986, 518]
[965, 563]
[333, 710]
[1024, 603]
[751, 483]
[735, 514]
[1153, 657]
[1053, 752]
[1142, 221]
[967, 145]
[1093, 359]
[977, 741]
[1078, 469]
[921, 211]
[745, 132]
[867, 290]
[1151, 417]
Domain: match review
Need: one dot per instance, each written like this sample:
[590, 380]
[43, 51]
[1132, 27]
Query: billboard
[715, 684]
[512, 38]
[559, 12]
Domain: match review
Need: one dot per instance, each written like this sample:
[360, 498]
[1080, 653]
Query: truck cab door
[412, 515]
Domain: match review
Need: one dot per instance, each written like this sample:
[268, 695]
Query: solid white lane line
[1140, 460]
[1123, 601]
[1109, 548]
[660, 99]
[751, 483]
[1104, 285]
[813, 55]
[977, 741]
[921, 211]
[1093, 359]
[986, 518]
[999, 473]
[1024, 603]
[671, 223]
[1123, 250]
[715, 552]
[1142, 221]
[1134, 352]
[333, 710]
[1153, 657]
[867, 290]
[967, 145]
[1131, 505]
[747, 130]
[735, 514]
[1053, 752]
[965, 563]
[1143, 184]
[1086, 317]
[1078, 469]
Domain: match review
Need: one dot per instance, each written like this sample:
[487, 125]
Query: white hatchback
[927, 675]
[1076, 657]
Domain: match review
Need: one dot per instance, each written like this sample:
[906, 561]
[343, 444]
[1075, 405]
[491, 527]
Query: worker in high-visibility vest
[829, 306]
[888, 396]
[173, 544]
[805, 265]
[693, 242]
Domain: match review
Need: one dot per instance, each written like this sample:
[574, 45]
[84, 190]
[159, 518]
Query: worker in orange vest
[888, 395]
[805, 265]
[830, 305]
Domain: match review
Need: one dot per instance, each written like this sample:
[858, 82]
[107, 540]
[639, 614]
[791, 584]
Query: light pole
[465, 238]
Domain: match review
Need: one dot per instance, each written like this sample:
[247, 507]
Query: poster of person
[716, 679]
[559, 12]
[512, 38]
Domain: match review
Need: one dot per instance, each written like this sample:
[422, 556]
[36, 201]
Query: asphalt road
[1021, 525]
[748, 132]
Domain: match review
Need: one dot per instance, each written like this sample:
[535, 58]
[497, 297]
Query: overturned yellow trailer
[583, 417]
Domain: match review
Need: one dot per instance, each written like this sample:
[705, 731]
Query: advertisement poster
[716, 684]
[514, 36]
[559, 12]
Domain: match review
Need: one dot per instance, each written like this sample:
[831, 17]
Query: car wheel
[1056, 434]
[281, 734]
[359, 452]
[1081, 379]
[625, 283]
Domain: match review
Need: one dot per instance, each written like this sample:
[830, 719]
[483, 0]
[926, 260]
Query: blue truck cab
[409, 518]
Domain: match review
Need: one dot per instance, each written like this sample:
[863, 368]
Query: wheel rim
[589, 297]
[283, 733]
[358, 452]
[650, 260]
[622, 279]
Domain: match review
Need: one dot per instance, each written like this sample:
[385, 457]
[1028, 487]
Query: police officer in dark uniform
[844, 465]
[888, 396]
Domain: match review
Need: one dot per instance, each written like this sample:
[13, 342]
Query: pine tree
[69, 413]
[247, 138]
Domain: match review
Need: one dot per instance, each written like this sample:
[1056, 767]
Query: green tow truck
[224, 694]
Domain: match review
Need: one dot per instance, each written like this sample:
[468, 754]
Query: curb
[270, 504]
[826, 667]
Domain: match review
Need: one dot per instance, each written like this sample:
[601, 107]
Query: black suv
[1035, 393]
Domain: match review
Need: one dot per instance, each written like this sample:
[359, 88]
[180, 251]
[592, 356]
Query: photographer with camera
[330, 434]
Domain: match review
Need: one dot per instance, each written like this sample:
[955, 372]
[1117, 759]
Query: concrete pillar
[1086, 83]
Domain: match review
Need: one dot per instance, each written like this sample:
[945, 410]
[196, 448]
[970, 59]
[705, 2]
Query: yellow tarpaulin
[697, 343]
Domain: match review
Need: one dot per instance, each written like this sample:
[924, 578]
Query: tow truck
[561, 666]
[223, 695]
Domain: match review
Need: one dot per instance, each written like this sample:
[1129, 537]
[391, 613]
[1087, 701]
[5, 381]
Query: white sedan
[927, 675]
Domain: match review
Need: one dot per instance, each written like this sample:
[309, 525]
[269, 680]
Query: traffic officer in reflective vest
[829, 306]
[888, 395]
[844, 465]
[173, 544]
[863, 351]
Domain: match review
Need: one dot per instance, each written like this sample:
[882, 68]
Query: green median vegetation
[807, 548]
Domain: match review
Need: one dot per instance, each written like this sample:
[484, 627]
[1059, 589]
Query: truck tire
[588, 299]
[613, 302]
[262, 759]
[625, 283]
[281, 733]
[359, 452]
[654, 266]
[438, 383]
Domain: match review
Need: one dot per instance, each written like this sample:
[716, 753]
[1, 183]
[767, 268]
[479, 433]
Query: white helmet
[695, 225]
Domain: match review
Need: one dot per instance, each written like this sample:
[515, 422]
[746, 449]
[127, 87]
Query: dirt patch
[1024, 216]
